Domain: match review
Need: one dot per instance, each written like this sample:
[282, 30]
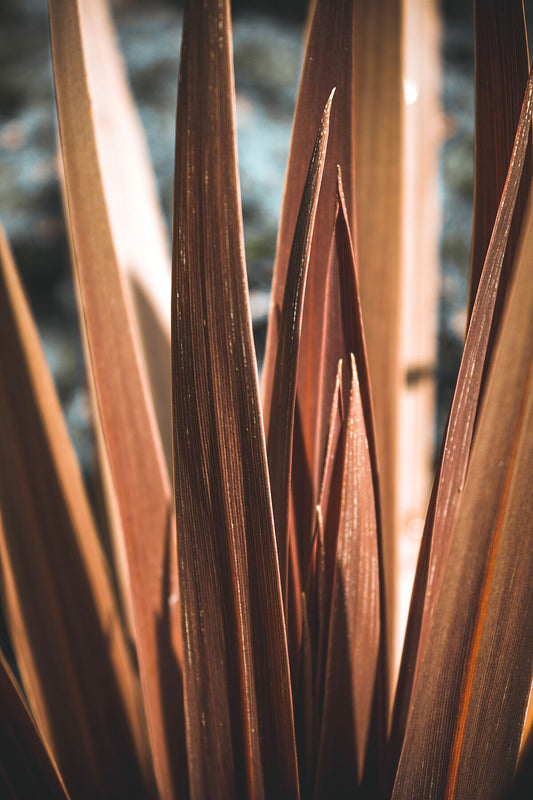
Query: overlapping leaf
[449, 481]
[502, 67]
[378, 107]
[328, 63]
[470, 701]
[280, 436]
[240, 735]
[353, 568]
[65, 626]
[26, 766]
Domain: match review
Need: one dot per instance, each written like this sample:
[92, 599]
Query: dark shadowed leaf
[64, 623]
[351, 679]
[470, 701]
[136, 462]
[26, 767]
[502, 67]
[240, 734]
[449, 481]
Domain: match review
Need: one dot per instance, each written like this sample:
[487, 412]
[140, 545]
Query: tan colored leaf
[64, 623]
[470, 702]
[240, 733]
[139, 232]
[27, 768]
[125, 408]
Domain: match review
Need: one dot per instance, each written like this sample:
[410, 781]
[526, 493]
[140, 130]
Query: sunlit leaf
[130, 432]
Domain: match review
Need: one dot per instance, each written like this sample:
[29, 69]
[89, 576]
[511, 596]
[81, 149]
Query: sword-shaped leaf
[502, 67]
[240, 732]
[65, 627]
[471, 698]
[280, 435]
[448, 487]
[135, 455]
[328, 63]
[27, 768]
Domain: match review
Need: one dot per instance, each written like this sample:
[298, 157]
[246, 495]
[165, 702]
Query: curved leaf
[136, 460]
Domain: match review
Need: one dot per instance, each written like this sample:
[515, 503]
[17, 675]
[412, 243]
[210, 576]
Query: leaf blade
[54, 574]
[483, 679]
[26, 766]
[447, 491]
[240, 731]
[125, 408]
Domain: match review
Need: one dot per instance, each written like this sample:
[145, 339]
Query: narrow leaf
[471, 698]
[79, 679]
[449, 480]
[354, 631]
[328, 62]
[281, 428]
[125, 408]
[240, 734]
[139, 232]
[343, 330]
[501, 71]
[27, 768]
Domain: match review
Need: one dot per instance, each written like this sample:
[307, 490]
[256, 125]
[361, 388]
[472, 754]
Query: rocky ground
[267, 56]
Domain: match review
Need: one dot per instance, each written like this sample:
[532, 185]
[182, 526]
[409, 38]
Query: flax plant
[230, 636]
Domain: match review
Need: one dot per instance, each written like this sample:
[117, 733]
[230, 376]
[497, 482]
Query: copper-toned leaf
[240, 733]
[449, 481]
[502, 67]
[65, 627]
[27, 769]
[328, 63]
[281, 424]
[343, 332]
[136, 460]
[352, 669]
[471, 698]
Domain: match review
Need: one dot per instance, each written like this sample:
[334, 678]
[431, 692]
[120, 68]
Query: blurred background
[268, 48]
